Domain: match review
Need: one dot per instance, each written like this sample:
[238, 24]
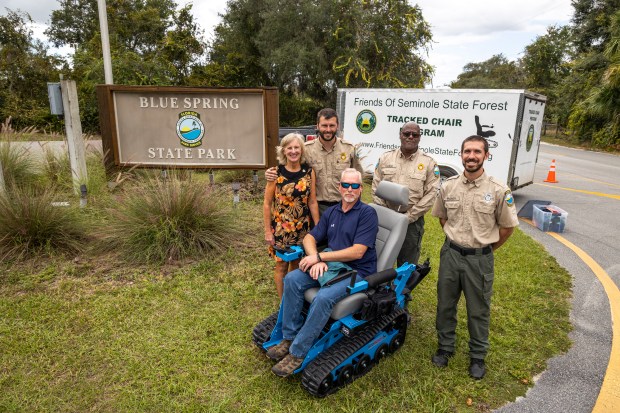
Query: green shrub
[30, 225]
[167, 220]
[18, 167]
[297, 110]
[234, 175]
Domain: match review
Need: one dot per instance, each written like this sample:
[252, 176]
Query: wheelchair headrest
[392, 192]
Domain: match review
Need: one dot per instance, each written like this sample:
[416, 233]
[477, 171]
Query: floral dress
[290, 214]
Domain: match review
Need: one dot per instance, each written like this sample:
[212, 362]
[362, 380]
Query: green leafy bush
[167, 220]
[30, 225]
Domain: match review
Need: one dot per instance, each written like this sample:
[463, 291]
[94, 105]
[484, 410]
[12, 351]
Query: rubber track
[314, 374]
[262, 331]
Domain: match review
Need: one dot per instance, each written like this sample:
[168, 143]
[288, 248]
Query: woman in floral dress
[290, 203]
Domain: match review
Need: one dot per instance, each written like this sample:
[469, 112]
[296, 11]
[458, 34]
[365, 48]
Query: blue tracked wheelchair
[367, 325]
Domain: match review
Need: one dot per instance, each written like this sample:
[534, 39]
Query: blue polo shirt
[357, 226]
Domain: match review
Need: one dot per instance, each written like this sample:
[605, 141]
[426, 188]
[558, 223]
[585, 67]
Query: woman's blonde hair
[285, 142]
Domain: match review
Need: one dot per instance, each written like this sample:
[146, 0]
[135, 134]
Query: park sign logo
[366, 121]
[190, 129]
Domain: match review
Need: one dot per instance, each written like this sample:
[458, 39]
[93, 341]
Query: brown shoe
[287, 366]
[278, 351]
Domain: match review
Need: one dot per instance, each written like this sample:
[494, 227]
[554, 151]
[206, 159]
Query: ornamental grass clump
[55, 169]
[165, 220]
[30, 225]
[18, 167]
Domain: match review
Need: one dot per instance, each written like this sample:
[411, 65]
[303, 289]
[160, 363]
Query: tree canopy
[310, 48]
[307, 49]
[25, 68]
[495, 73]
[575, 66]
[151, 41]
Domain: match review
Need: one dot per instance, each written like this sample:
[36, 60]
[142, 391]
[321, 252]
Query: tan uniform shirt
[475, 210]
[417, 172]
[328, 166]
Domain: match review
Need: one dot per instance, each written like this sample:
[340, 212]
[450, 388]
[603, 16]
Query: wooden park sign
[182, 127]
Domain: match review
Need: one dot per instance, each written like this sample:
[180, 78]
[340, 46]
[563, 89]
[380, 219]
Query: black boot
[440, 358]
[477, 368]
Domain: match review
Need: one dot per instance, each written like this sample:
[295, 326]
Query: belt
[329, 203]
[470, 251]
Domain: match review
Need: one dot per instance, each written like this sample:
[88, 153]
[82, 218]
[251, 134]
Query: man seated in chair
[350, 229]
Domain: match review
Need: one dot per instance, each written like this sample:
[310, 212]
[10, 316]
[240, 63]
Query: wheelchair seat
[390, 237]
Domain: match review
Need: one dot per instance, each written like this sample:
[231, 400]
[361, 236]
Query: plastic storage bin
[549, 218]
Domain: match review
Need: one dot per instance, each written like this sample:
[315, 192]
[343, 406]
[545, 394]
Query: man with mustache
[478, 215]
[417, 171]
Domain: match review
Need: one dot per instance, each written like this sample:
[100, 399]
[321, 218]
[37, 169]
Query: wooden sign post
[73, 127]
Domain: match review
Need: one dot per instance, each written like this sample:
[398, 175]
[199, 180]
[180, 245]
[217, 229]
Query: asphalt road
[588, 188]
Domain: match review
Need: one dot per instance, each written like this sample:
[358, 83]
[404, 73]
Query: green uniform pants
[473, 275]
[410, 251]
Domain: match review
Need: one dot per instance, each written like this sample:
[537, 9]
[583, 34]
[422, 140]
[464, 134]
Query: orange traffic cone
[551, 174]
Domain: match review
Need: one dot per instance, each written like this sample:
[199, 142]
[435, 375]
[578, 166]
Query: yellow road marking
[592, 180]
[609, 396]
[582, 191]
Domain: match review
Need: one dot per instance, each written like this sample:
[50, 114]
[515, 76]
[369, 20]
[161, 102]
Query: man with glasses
[350, 229]
[328, 155]
[417, 171]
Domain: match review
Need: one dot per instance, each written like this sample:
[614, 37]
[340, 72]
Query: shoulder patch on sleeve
[510, 201]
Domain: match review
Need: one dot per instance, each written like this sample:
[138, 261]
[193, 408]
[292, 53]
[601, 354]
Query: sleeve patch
[510, 201]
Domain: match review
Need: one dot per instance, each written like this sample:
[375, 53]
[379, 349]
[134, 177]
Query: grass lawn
[89, 333]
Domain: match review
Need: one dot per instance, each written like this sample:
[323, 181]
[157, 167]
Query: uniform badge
[420, 166]
[343, 156]
[436, 170]
[488, 197]
[510, 201]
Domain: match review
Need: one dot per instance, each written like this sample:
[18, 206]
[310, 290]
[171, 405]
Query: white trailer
[510, 120]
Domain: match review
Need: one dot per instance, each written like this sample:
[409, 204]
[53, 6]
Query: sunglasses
[409, 134]
[347, 185]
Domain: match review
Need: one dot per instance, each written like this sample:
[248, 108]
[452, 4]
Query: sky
[463, 31]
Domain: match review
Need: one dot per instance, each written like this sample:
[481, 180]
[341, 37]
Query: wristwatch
[318, 256]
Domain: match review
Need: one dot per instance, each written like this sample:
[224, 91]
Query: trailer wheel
[446, 172]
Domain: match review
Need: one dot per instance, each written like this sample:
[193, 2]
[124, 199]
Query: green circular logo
[530, 138]
[366, 121]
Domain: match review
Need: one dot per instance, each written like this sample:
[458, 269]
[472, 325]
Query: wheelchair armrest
[380, 277]
[290, 254]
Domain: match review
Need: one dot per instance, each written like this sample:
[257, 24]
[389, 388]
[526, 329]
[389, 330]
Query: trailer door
[529, 142]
